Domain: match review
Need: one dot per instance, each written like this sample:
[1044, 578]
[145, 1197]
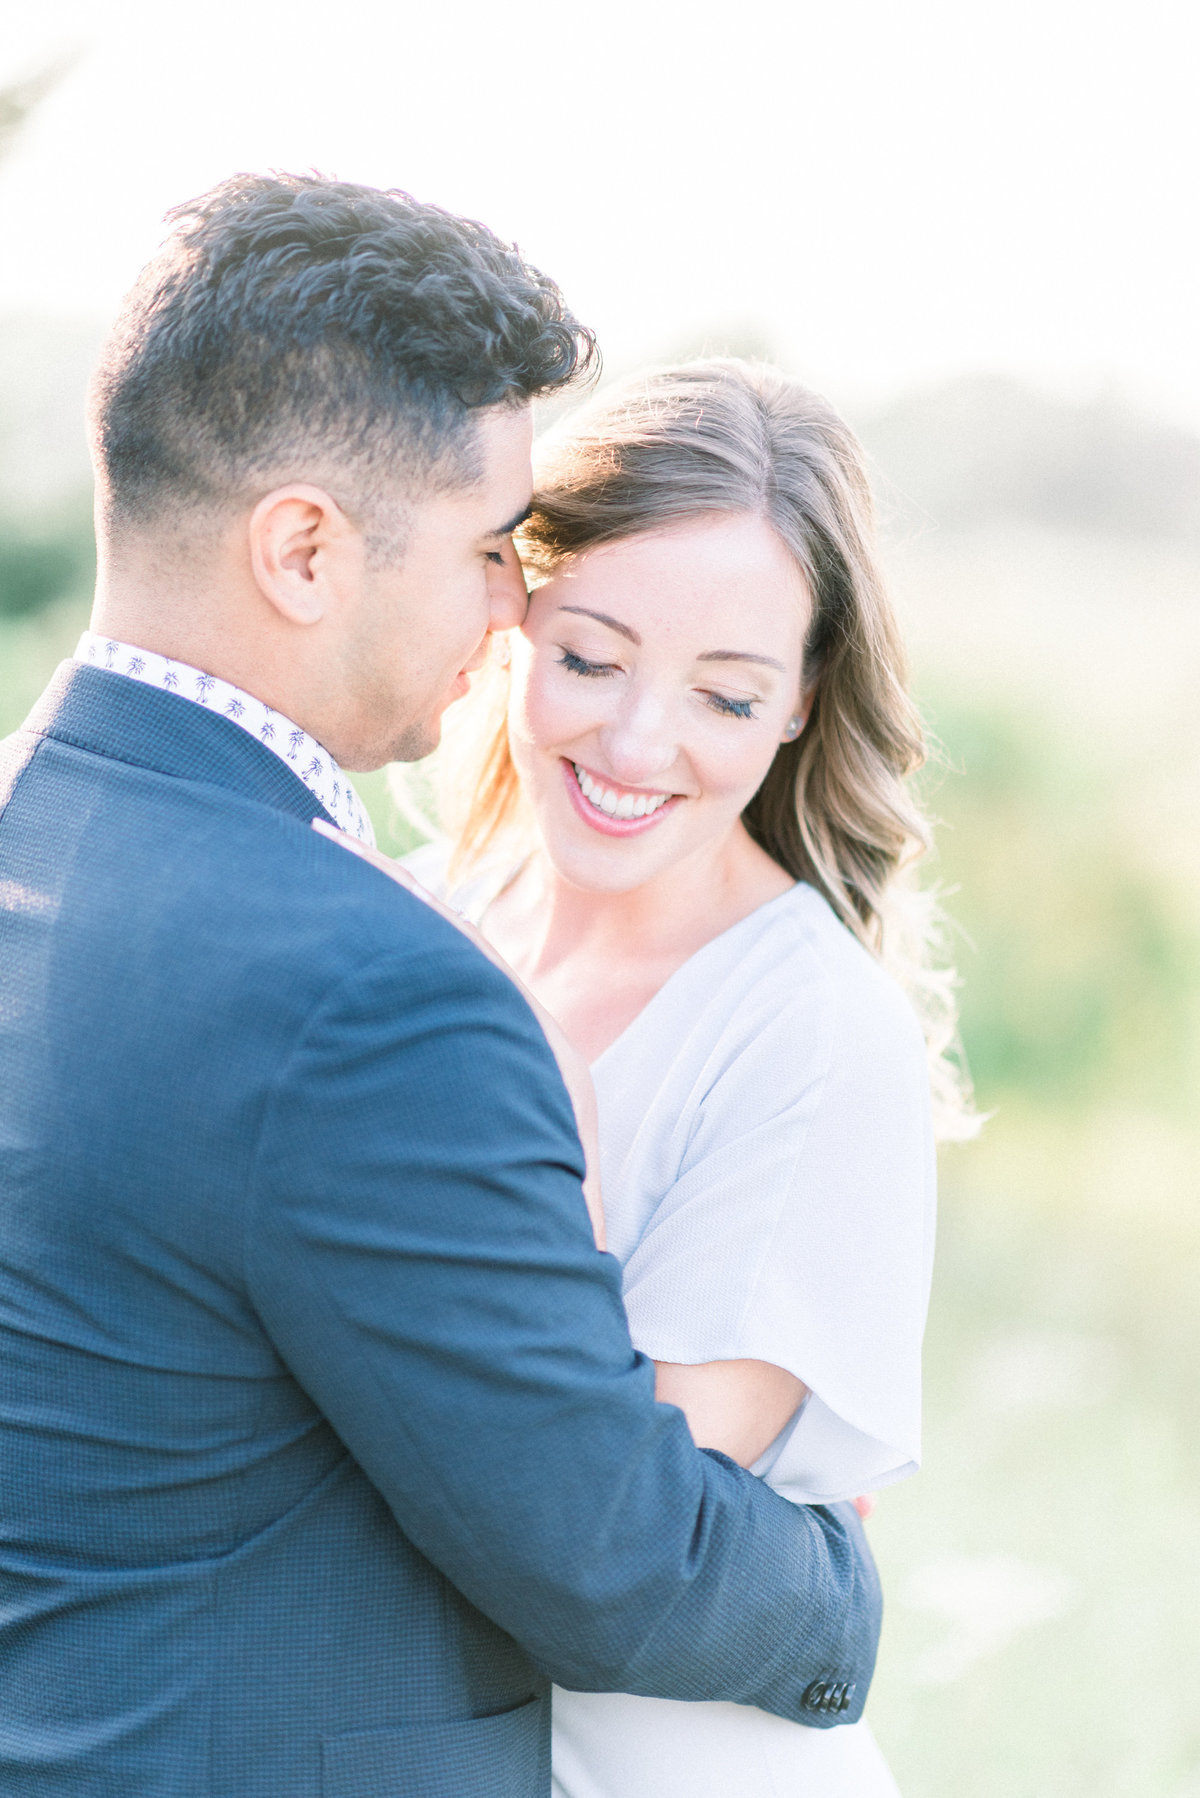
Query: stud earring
[795, 725]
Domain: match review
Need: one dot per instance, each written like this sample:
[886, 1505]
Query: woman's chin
[591, 871]
[603, 864]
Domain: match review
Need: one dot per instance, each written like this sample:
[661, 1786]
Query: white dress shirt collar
[303, 754]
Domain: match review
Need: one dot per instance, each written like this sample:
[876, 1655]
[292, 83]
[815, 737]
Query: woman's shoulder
[801, 957]
[432, 865]
[781, 1016]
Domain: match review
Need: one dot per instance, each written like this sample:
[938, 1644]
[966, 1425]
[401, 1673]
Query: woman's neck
[595, 959]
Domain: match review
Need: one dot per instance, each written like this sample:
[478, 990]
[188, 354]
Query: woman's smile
[612, 809]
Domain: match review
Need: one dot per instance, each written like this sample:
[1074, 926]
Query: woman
[687, 833]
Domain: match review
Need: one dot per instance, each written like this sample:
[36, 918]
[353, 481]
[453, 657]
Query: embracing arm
[737, 1407]
[420, 1255]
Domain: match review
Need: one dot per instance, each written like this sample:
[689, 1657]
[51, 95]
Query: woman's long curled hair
[835, 809]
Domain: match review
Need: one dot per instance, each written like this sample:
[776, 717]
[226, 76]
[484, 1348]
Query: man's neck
[208, 639]
[194, 601]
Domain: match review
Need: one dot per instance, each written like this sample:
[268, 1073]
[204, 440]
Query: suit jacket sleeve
[418, 1249]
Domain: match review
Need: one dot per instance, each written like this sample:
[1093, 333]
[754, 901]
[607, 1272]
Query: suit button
[829, 1697]
[814, 1697]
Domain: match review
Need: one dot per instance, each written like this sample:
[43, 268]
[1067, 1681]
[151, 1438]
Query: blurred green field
[1043, 1572]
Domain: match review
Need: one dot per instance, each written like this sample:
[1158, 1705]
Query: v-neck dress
[767, 1165]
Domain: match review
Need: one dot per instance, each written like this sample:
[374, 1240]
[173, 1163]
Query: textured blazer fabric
[324, 1446]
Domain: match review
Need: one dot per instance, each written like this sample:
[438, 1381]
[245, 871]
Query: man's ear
[303, 551]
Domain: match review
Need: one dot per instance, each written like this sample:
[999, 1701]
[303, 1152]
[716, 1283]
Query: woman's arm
[738, 1407]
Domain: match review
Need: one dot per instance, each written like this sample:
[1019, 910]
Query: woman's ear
[304, 551]
[799, 717]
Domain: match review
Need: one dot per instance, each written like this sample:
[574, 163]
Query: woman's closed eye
[716, 702]
[729, 708]
[589, 670]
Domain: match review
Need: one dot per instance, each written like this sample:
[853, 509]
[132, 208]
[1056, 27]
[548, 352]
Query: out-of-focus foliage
[42, 561]
[1081, 966]
[1047, 557]
[46, 551]
[1046, 1561]
[31, 646]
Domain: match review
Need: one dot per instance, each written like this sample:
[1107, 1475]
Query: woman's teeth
[617, 805]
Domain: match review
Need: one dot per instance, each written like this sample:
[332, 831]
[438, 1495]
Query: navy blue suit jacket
[323, 1446]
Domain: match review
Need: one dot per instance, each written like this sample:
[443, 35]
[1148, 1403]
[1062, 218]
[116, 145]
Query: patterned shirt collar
[302, 753]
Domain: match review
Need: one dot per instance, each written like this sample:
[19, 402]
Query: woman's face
[652, 684]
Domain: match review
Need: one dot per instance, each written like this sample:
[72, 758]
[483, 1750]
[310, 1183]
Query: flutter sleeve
[799, 1227]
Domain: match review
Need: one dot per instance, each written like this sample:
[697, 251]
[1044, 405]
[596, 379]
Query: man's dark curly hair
[296, 328]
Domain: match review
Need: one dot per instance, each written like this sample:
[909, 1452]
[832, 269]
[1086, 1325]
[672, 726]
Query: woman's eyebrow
[740, 655]
[614, 624]
[709, 655]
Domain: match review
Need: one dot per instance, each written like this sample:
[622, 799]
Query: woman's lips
[604, 821]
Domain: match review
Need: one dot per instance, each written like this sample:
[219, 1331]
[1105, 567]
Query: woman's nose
[508, 596]
[639, 744]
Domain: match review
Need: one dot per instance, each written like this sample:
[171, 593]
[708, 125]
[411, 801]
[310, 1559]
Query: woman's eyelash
[730, 708]
[577, 665]
[717, 702]
[494, 555]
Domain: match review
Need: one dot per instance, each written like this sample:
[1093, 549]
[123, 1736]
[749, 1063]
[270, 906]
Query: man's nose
[508, 596]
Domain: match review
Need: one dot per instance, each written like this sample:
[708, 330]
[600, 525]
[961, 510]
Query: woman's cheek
[531, 713]
[740, 772]
[552, 712]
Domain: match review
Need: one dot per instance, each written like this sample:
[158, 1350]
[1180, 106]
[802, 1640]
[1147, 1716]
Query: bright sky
[890, 190]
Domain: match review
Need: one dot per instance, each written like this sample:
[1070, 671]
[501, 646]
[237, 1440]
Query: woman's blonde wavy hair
[724, 435]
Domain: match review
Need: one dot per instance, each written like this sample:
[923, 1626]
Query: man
[324, 1445]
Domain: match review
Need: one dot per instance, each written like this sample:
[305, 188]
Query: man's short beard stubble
[393, 731]
[387, 525]
[416, 742]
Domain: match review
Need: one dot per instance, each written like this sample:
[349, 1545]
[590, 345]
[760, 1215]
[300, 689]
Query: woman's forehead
[696, 575]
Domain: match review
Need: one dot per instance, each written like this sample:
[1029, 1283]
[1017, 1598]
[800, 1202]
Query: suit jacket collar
[96, 710]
